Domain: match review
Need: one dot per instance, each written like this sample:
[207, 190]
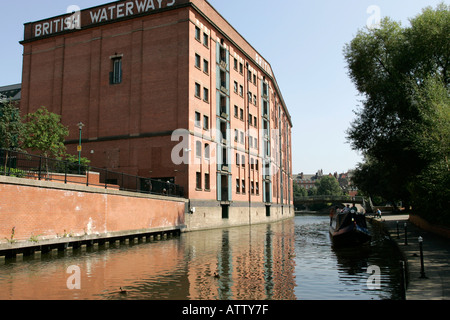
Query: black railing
[344, 198]
[23, 165]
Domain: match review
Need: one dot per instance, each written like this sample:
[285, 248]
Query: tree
[45, 133]
[431, 188]
[11, 128]
[329, 186]
[402, 127]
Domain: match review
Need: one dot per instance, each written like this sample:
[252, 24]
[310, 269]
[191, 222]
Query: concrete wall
[49, 210]
[208, 215]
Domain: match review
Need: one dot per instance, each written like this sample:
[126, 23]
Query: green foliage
[299, 191]
[403, 125]
[11, 126]
[74, 160]
[329, 186]
[13, 172]
[45, 133]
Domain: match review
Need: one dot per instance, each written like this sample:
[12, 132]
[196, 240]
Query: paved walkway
[436, 251]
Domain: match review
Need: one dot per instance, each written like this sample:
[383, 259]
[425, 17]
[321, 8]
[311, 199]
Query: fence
[23, 165]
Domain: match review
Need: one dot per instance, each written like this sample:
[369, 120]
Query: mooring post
[403, 279]
[406, 234]
[422, 266]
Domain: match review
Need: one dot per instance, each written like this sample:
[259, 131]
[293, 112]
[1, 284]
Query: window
[257, 188]
[241, 68]
[255, 122]
[205, 40]
[238, 188]
[198, 149]
[223, 54]
[223, 106]
[254, 79]
[252, 163]
[199, 181]
[197, 61]
[243, 186]
[241, 114]
[206, 66]
[242, 137]
[197, 33]
[241, 91]
[207, 182]
[116, 74]
[236, 112]
[206, 94]
[236, 135]
[265, 89]
[252, 186]
[243, 161]
[205, 122]
[235, 87]
[238, 159]
[207, 152]
[265, 108]
[223, 79]
[197, 119]
[197, 90]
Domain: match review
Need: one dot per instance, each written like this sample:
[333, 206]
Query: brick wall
[49, 210]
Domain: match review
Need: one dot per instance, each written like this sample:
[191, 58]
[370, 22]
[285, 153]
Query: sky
[302, 40]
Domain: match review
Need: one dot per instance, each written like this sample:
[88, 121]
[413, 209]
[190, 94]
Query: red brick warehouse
[134, 72]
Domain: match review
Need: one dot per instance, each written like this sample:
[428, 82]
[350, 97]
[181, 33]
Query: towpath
[436, 251]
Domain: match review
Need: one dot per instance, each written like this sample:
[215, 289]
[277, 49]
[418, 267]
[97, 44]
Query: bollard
[403, 279]
[406, 234]
[422, 266]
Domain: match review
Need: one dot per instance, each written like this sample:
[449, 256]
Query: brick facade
[181, 66]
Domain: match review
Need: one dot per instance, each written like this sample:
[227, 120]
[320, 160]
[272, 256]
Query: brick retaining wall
[49, 210]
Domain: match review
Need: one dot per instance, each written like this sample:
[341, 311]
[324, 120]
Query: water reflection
[250, 263]
[290, 260]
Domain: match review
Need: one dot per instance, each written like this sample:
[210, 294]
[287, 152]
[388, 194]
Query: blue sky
[302, 40]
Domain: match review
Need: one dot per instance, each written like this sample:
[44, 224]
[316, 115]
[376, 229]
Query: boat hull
[350, 236]
[349, 229]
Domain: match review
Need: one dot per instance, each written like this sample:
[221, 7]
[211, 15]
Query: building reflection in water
[248, 263]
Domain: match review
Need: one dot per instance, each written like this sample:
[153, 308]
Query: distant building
[11, 93]
[308, 181]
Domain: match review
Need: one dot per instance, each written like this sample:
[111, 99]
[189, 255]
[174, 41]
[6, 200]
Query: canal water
[289, 260]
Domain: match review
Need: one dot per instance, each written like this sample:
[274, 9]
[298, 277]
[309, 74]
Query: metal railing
[345, 198]
[24, 165]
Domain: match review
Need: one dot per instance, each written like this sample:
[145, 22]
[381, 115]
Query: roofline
[178, 6]
[272, 77]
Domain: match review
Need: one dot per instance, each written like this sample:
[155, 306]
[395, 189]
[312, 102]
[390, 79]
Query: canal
[289, 260]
